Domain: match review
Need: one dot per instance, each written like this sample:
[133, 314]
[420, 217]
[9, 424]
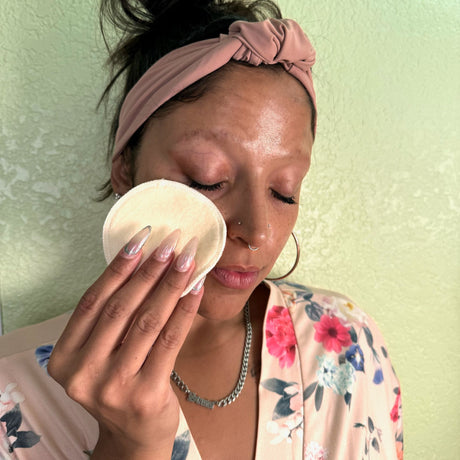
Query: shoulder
[30, 337]
[346, 371]
[329, 325]
[321, 305]
[41, 421]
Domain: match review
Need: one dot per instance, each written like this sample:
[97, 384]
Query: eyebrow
[211, 135]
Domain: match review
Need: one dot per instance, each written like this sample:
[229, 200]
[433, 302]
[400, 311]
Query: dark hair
[150, 29]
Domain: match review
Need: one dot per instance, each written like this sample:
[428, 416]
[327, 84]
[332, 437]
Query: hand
[117, 352]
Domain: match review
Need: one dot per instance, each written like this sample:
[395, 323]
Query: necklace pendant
[194, 398]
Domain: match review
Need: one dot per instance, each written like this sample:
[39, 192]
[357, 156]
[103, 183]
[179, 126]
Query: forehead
[253, 109]
[263, 85]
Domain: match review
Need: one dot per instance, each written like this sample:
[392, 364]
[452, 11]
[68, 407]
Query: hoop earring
[297, 258]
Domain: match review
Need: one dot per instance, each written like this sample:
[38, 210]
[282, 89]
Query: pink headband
[268, 42]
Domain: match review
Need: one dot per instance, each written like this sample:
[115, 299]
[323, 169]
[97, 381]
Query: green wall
[380, 208]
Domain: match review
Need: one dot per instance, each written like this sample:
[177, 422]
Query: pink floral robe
[327, 388]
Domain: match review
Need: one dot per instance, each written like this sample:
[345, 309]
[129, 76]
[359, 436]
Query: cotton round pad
[165, 206]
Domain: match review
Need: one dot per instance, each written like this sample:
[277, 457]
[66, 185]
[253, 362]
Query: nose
[249, 222]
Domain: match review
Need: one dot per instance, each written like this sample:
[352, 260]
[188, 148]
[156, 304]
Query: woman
[225, 105]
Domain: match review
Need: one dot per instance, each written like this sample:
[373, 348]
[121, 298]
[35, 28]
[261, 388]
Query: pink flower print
[296, 400]
[399, 450]
[314, 451]
[395, 413]
[332, 334]
[280, 336]
[285, 429]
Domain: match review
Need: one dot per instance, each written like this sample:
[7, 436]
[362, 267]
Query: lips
[236, 277]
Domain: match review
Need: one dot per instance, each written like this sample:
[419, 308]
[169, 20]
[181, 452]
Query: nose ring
[252, 248]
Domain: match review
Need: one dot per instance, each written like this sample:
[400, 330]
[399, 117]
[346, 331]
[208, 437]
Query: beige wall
[380, 210]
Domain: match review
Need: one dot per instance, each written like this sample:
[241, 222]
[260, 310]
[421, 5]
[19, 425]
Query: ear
[121, 174]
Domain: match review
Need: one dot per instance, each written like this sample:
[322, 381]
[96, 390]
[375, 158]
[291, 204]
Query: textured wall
[380, 211]
[51, 156]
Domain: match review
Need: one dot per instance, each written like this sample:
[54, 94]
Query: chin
[220, 302]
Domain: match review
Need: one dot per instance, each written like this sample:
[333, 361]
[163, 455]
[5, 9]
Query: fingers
[163, 355]
[146, 311]
[119, 311]
[149, 324]
[123, 316]
[87, 312]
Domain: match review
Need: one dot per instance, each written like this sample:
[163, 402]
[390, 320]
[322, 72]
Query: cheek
[287, 218]
[282, 227]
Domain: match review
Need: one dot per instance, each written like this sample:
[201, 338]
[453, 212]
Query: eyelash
[207, 188]
[284, 199]
[218, 186]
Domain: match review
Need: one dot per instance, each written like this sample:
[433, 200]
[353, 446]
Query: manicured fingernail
[136, 242]
[197, 288]
[185, 259]
[163, 252]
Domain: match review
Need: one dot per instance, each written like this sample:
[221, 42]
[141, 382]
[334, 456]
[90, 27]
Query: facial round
[246, 145]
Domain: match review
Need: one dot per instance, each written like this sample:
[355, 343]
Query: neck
[209, 335]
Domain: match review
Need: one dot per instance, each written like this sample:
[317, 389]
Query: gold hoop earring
[297, 258]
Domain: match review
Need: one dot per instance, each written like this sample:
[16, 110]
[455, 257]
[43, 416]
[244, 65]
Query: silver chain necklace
[194, 398]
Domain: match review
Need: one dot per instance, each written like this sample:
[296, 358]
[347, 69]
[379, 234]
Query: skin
[249, 134]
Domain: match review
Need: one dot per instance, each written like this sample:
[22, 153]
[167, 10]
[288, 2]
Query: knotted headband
[273, 41]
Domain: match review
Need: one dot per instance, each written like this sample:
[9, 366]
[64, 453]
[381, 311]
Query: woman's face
[246, 145]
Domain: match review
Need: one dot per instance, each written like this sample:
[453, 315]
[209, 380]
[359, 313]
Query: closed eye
[205, 187]
[284, 199]
[218, 186]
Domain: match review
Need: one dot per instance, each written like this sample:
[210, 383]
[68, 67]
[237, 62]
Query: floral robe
[327, 388]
